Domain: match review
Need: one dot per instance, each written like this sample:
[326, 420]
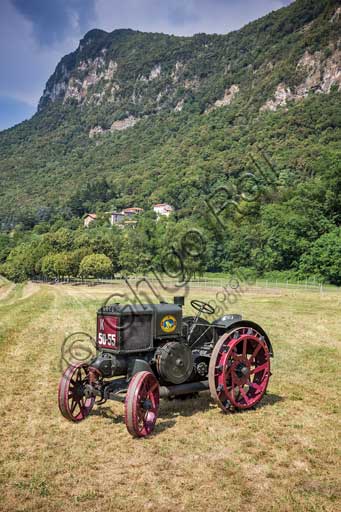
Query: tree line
[295, 238]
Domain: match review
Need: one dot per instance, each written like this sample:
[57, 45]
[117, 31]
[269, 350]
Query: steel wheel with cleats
[142, 404]
[72, 402]
[239, 369]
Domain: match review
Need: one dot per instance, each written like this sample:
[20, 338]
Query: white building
[163, 209]
[125, 217]
[116, 218]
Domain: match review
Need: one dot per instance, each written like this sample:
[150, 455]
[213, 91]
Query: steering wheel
[202, 307]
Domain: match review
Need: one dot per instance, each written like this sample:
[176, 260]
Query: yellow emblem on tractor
[168, 323]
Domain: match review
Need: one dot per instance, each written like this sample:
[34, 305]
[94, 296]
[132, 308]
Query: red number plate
[107, 332]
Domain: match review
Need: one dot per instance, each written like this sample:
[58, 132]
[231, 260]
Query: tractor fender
[138, 365]
[245, 323]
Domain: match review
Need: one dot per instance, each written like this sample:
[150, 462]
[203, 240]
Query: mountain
[132, 118]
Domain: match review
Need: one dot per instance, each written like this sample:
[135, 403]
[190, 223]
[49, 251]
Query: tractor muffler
[183, 389]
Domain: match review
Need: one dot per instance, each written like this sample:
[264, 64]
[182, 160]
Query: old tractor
[150, 351]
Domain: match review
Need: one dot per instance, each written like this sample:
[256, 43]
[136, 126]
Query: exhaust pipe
[183, 389]
[179, 300]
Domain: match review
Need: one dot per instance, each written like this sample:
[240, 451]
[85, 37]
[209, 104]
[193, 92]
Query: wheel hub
[147, 404]
[78, 391]
[242, 370]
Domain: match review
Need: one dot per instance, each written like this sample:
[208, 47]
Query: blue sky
[35, 34]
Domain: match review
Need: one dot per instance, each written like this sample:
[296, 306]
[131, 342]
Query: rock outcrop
[227, 99]
[319, 74]
[119, 125]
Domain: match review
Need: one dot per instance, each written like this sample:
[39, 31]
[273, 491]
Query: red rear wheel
[239, 369]
[142, 404]
[72, 402]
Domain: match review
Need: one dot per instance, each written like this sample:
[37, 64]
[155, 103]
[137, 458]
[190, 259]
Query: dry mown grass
[283, 456]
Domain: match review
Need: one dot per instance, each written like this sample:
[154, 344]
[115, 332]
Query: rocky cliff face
[101, 71]
[318, 75]
[124, 76]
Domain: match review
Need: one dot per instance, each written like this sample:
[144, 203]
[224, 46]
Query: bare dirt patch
[5, 289]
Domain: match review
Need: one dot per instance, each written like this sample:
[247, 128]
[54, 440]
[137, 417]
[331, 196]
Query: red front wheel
[142, 404]
[239, 369]
[72, 402]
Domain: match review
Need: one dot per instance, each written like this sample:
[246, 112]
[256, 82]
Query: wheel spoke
[74, 405]
[244, 395]
[256, 386]
[153, 388]
[260, 368]
[255, 352]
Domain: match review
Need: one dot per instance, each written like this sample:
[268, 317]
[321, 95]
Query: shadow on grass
[170, 409]
[270, 399]
[184, 406]
[202, 403]
[107, 414]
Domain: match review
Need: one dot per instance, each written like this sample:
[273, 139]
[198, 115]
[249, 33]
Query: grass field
[282, 456]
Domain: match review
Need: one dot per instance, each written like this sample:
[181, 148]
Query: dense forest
[254, 177]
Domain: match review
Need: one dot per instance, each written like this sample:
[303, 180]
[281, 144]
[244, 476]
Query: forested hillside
[131, 118]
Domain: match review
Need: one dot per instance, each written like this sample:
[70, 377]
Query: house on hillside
[116, 218]
[130, 212]
[88, 218]
[163, 209]
[120, 219]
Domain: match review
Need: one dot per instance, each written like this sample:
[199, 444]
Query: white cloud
[181, 17]
[25, 65]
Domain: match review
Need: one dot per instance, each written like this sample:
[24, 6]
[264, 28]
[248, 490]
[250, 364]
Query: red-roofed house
[129, 212]
[88, 218]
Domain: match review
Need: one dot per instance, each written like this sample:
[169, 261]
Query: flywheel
[174, 362]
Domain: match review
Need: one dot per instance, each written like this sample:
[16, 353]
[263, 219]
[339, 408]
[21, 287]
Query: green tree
[96, 265]
[58, 265]
[20, 263]
[286, 233]
[48, 266]
[136, 251]
[323, 259]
